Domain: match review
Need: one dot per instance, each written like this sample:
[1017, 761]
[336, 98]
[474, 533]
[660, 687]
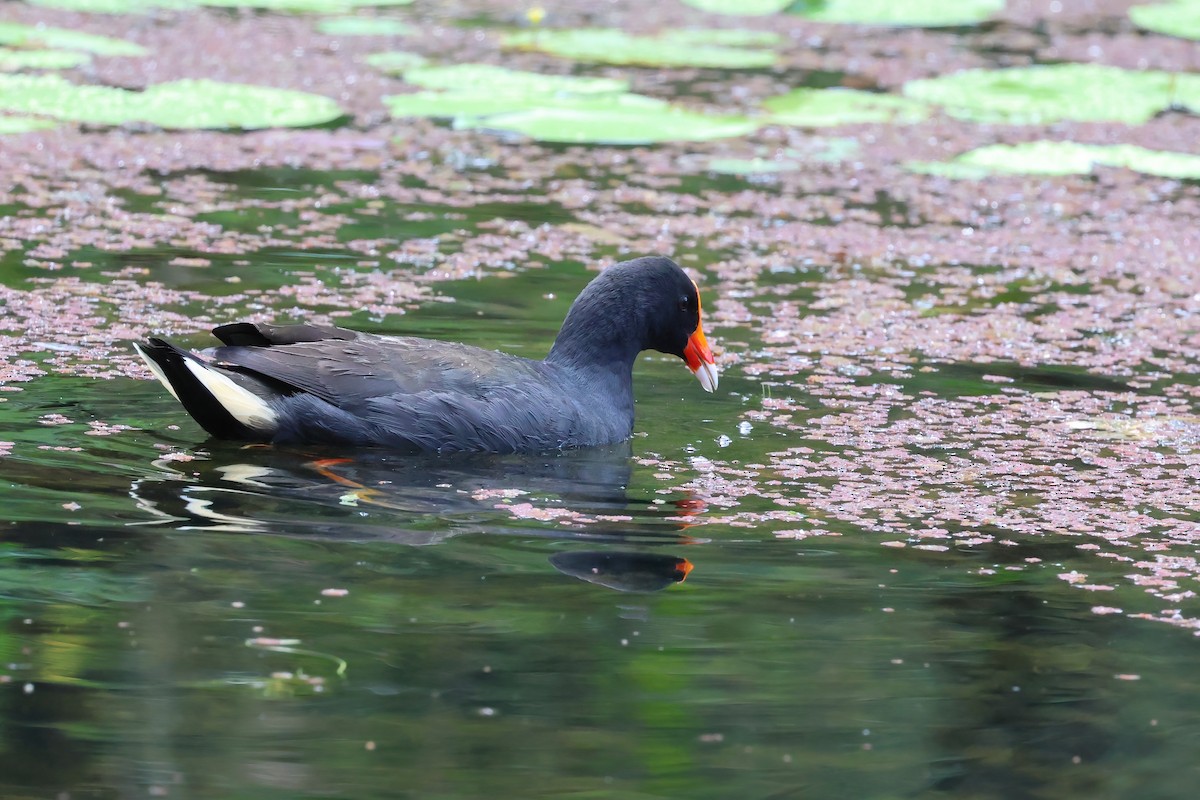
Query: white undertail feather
[157, 370]
[242, 404]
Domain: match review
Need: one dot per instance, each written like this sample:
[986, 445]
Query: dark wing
[350, 369]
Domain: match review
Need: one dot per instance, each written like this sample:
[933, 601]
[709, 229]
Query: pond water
[936, 535]
[186, 617]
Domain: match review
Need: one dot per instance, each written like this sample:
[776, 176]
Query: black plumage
[305, 383]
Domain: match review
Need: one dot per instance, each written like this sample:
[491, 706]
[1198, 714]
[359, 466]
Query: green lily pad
[24, 124]
[1063, 158]
[12, 33]
[476, 103]
[1052, 93]
[179, 105]
[745, 8]
[814, 108]
[14, 60]
[146, 6]
[396, 61]
[554, 108]
[670, 49]
[615, 125]
[363, 26]
[111, 6]
[899, 13]
[302, 6]
[498, 80]
[1181, 18]
[725, 37]
[475, 90]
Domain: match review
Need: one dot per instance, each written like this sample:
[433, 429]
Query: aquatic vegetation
[750, 8]
[396, 61]
[1063, 158]
[16, 60]
[616, 123]
[1051, 93]
[363, 26]
[1178, 18]
[178, 104]
[555, 108]
[34, 36]
[490, 79]
[24, 124]
[961, 406]
[915, 13]
[146, 6]
[724, 49]
[812, 108]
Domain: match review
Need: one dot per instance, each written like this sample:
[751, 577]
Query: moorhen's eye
[683, 303]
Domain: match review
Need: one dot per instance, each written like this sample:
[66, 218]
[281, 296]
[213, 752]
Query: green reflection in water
[135, 570]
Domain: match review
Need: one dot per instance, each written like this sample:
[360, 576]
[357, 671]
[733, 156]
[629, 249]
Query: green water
[165, 628]
[181, 617]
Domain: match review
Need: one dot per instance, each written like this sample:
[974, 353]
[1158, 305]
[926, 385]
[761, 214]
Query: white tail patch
[157, 370]
[242, 404]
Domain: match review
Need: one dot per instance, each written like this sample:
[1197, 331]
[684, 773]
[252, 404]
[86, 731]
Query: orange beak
[699, 356]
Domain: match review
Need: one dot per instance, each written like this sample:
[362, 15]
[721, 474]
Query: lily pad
[554, 108]
[302, 6]
[899, 13]
[363, 26]
[24, 124]
[745, 8]
[1063, 158]
[111, 6]
[396, 61]
[670, 49]
[463, 104]
[14, 60]
[726, 37]
[146, 6]
[1052, 93]
[486, 78]
[816, 108]
[179, 105]
[615, 125]
[1181, 18]
[12, 33]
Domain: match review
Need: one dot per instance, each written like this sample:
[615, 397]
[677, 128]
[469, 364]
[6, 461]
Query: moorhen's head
[645, 304]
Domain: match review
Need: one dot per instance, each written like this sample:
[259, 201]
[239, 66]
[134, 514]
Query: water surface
[193, 618]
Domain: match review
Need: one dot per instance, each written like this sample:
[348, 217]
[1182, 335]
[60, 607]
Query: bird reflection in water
[423, 500]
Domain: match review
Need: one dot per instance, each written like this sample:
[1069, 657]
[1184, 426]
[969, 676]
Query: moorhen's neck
[604, 330]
